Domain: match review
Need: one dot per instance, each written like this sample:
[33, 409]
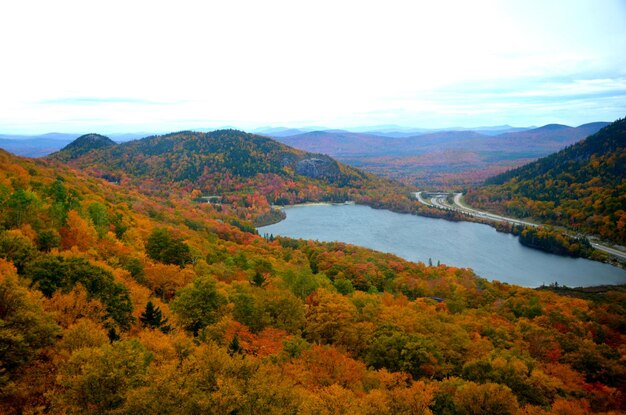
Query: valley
[135, 278]
[313, 208]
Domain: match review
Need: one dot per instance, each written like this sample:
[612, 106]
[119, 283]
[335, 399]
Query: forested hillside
[120, 299]
[582, 187]
[188, 156]
[248, 173]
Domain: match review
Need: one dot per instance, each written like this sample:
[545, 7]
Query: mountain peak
[92, 139]
[83, 145]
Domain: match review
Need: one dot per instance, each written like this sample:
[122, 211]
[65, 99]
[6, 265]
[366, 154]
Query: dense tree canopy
[165, 248]
[25, 327]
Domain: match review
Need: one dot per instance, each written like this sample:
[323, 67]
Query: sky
[157, 66]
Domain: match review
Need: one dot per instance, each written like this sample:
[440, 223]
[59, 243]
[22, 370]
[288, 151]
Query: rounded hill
[83, 145]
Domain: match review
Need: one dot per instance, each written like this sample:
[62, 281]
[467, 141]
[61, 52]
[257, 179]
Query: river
[492, 255]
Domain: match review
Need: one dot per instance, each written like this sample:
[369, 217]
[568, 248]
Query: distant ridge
[592, 127]
[442, 158]
[394, 131]
[552, 127]
[535, 142]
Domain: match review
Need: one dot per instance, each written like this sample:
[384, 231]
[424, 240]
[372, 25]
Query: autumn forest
[133, 281]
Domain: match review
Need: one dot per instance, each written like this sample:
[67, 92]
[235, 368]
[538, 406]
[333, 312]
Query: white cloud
[250, 63]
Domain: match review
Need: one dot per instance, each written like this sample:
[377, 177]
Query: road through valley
[439, 200]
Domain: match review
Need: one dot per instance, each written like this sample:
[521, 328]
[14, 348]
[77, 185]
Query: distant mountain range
[442, 158]
[394, 131]
[340, 142]
[417, 156]
[39, 145]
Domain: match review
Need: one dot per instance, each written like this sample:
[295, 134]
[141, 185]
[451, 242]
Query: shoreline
[281, 207]
[613, 256]
[585, 282]
[611, 259]
[282, 215]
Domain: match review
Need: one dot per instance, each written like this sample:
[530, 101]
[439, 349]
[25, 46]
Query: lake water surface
[491, 254]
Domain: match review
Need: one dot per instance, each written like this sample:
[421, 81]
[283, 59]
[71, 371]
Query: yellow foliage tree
[78, 233]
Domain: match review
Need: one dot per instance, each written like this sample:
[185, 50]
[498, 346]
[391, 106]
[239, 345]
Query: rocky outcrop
[317, 168]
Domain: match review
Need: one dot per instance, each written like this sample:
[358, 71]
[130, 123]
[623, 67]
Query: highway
[439, 200]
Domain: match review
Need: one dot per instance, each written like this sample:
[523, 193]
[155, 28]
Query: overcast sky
[156, 66]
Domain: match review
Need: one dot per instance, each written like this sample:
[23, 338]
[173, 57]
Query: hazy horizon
[302, 128]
